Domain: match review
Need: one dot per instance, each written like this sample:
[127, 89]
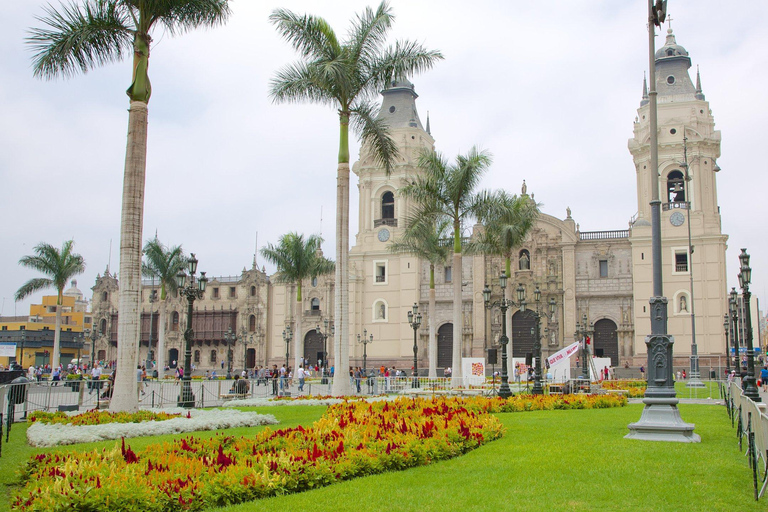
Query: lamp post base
[186, 397]
[661, 421]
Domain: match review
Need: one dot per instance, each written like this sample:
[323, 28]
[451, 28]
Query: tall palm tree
[507, 221]
[80, 37]
[163, 264]
[60, 266]
[428, 239]
[448, 190]
[297, 259]
[346, 76]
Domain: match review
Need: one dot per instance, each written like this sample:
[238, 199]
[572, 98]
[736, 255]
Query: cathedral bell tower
[383, 285]
[688, 147]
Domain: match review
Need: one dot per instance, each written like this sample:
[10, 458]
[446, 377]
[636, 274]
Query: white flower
[40, 434]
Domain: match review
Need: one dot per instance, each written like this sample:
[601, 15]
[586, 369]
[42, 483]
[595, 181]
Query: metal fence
[751, 422]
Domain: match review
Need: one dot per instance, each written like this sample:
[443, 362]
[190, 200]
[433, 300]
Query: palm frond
[310, 35]
[403, 60]
[369, 33]
[164, 264]
[374, 132]
[297, 258]
[298, 83]
[427, 238]
[32, 286]
[58, 265]
[179, 16]
[79, 38]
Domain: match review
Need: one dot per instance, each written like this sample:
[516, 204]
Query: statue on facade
[525, 262]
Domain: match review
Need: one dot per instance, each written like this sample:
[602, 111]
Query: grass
[549, 460]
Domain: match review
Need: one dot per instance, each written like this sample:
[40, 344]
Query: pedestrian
[301, 375]
[140, 380]
[684, 374]
[764, 378]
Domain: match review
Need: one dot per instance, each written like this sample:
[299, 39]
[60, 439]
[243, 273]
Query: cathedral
[601, 276]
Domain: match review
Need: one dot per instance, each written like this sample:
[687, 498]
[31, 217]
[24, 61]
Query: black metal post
[191, 292]
[734, 314]
[504, 304]
[414, 319]
[21, 356]
[365, 340]
[230, 337]
[745, 277]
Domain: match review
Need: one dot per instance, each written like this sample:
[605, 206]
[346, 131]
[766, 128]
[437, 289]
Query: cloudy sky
[550, 87]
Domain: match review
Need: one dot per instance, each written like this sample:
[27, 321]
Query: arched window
[314, 282]
[105, 296]
[315, 304]
[175, 321]
[213, 357]
[524, 262]
[676, 187]
[252, 323]
[388, 205]
[253, 291]
[197, 356]
[103, 326]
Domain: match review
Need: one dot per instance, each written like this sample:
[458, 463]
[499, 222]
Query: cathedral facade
[601, 276]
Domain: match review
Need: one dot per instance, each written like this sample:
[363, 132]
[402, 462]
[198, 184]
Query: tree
[60, 266]
[81, 37]
[297, 259]
[163, 264]
[507, 220]
[428, 239]
[447, 190]
[346, 76]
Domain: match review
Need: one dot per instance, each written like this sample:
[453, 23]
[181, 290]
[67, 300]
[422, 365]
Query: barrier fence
[751, 422]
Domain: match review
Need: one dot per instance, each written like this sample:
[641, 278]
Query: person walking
[301, 375]
[764, 378]
[140, 381]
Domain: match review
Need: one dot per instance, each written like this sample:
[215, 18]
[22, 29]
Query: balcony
[313, 312]
[604, 235]
[385, 222]
[676, 205]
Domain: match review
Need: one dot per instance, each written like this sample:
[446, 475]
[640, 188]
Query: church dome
[74, 291]
[671, 50]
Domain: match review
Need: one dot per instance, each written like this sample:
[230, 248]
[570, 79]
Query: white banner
[473, 370]
[7, 350]
[563, 354]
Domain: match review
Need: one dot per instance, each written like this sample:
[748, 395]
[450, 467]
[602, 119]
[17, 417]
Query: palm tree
[80, 37]
[163, 264]
[428, 239]
[60, 266]
[447, 190]
[297, 259]
[507, 221]
[346, 76]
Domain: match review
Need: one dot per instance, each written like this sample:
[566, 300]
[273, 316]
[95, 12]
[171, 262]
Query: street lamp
[231, 337]
[247, 340]
[583, 331]
[536, 331]
[324, 333]
[93, 346]
[365, 341]
[287, 337]
[745, 277]
[192, 291]
[733, 309]
[414, 318]
[726, 323]
[152, 299]
[23, 339]
[504, 304]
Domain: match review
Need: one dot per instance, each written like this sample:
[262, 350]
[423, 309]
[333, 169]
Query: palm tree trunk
[458, 321]
[508, 319]
[432, 319]
[124, 397]
[160, 356]
[56, 356]
[341, 384]
[297, 352]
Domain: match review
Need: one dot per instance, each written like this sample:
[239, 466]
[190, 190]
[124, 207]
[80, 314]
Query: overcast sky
[551, 88]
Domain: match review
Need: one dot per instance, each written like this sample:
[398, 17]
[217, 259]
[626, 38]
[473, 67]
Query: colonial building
[604, 276]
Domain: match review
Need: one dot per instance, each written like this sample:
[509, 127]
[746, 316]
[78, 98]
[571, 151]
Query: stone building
[603, 275]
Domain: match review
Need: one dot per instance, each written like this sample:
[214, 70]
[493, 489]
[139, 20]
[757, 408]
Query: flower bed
[351, 439]
[99, 417]
[54, 434]
[634, 388]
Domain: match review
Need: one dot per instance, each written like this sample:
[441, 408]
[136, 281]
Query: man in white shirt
[95, 376]
[301, 374]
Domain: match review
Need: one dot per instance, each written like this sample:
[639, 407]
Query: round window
[673, 131]
[670, 79]
[392, 109]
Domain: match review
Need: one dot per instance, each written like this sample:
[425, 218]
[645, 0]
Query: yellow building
[34, 334]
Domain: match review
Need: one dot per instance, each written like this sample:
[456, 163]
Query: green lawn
[548, 460]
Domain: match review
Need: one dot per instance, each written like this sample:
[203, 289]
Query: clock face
[383, 235]
[677, 219]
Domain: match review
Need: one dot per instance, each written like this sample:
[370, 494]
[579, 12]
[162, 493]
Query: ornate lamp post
[583, 332]
[94, 335]
[365, 341]
[152, 299]
[537, 387]
[504, 304]
[726, 323]
[231, 338]
[247, 340]
[192, 291]
[287, 337]
[745, 277]
[325, 333]
[733, 309]
[414, 319]
[21, 355]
